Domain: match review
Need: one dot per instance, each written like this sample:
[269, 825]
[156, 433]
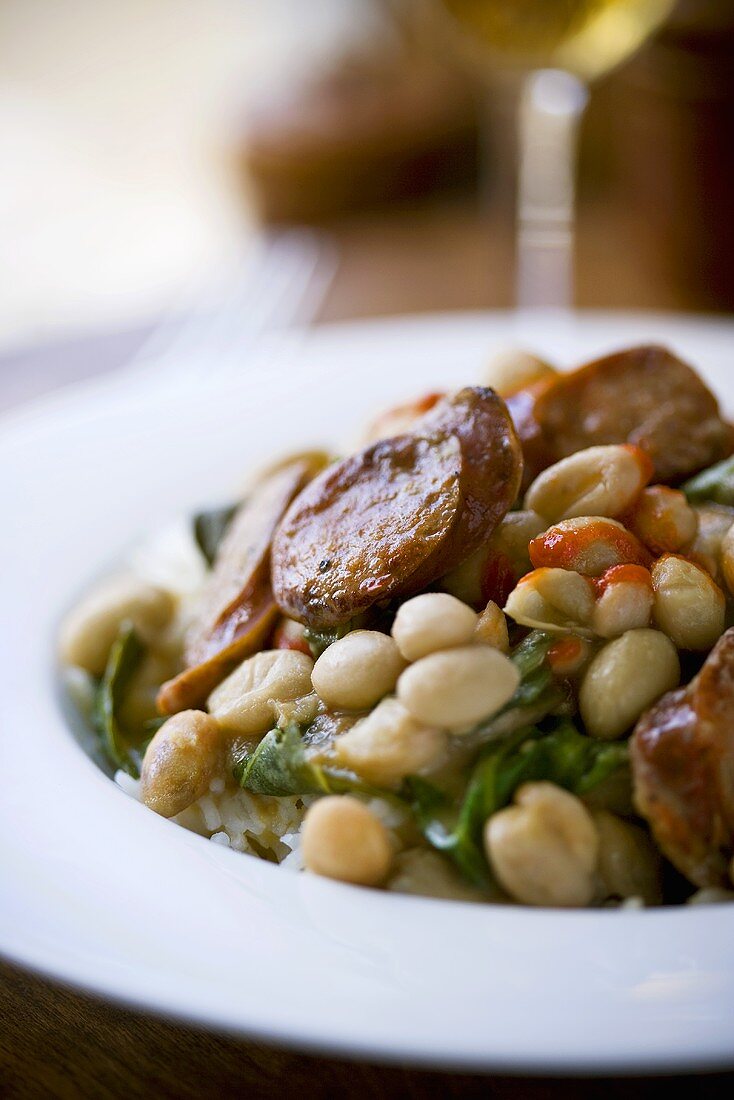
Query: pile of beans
[624, 573]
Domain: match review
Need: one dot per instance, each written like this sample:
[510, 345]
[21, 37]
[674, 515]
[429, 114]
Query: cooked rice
[259, 824]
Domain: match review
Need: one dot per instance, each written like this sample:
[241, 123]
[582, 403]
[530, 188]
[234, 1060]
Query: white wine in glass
[584, 37]
[559, 45]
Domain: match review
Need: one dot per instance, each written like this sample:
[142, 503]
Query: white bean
[388, 744]
[356, 671]
[557, 600]
[89, 630]
[626, 677]
[663, 519]
[727, 559]
[624, 601]
[186, 753]
[689, 606]
[247, 701]
[544, 848]
[588, 544]
[342, 839]
[629, 864]
[432, 621]
[491, 628]
[714, 522]
[598, 481]
[513, 369]
[425, 873]
[456, 688]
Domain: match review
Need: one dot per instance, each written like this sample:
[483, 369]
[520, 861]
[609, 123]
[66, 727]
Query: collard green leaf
[562, 756]
[124, 748]
[210, 527]
[715, 484]
[319, 640]
[279, 766]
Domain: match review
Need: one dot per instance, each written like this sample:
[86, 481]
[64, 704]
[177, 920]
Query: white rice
[258, 824]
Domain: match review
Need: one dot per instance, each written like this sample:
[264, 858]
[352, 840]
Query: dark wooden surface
[58, 1043]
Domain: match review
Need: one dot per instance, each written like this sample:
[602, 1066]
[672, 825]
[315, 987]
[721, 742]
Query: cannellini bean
[432, 621]
[557, 600]
[629, 864]
[663, 519]
[89, 631]
[588, 545]
[624, 600]
[689, 606]
[247, 701]
[491, 628]
[492, 571]
[714, 523]
[626, 677]
[389, 744]
[456, 688]
[425, 873]
[180, 762]
[342, 839]
[356, 671]
[544, 848]
[727, 559]
[598, 481]
[513, 369]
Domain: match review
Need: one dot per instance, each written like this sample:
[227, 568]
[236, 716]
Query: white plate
[99, 892]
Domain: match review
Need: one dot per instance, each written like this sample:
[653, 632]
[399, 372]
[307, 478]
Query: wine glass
[554, 48]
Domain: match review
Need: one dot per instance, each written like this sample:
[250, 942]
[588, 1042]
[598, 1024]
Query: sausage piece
[391, 519]
[683, 770]
[237, 609]
[645, 395]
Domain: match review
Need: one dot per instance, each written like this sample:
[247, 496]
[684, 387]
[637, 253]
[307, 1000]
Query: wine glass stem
[551, 105]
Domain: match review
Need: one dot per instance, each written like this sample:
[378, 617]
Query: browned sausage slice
[646, 396]
[237, 608]
[391, 519]
[491, 469]
[537, 448]
[683, 768]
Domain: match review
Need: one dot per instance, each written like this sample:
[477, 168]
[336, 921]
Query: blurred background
[145, 143]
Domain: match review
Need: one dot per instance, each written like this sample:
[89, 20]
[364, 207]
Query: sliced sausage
[391, 519]
[537, 449]
[491, 464]
[683, 770]
[237, 609]
[645, 395]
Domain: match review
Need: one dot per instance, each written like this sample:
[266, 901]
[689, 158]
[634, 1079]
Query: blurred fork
[279, 286]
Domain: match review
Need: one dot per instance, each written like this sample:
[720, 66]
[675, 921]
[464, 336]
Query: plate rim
[20, 419]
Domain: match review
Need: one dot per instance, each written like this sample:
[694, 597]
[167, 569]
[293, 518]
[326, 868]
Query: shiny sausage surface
[645, 395]
[237, 609]
[393, 518]
[683, 769]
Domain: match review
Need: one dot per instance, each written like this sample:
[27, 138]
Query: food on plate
[645, 396]
[489, 656]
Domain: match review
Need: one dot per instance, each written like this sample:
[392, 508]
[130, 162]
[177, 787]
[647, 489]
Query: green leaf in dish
[124, 748]
[562, 755]
[210, 527]
[279, 766]
[319, 640]
[715, 484]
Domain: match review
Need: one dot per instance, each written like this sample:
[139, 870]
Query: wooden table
[58, 1043]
